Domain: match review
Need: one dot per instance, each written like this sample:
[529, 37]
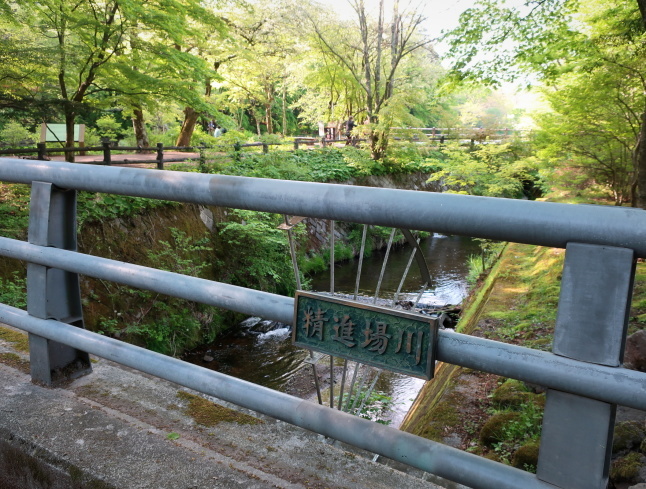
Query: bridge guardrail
[583, 374]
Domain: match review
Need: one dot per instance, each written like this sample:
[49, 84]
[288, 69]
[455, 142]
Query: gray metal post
[591, 324]
[53, 293]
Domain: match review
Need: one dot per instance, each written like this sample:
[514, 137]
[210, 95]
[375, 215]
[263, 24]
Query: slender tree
[373, 54]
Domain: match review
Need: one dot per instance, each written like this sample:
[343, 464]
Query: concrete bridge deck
[118, 428]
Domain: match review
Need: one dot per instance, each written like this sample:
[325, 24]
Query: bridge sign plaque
[399, 341]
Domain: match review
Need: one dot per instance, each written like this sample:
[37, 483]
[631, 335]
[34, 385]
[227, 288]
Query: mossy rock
[493, 430]
[628, 434]
[492, 456]
[511, 394]
[626, 468]
[526, 456]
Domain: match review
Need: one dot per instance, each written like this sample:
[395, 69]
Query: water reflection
[446, 257]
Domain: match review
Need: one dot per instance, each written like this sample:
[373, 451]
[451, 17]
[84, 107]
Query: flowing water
[268, 358]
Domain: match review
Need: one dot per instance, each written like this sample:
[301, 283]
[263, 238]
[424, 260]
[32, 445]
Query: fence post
[53, 293]
[202, 163]
[265, 148]
[107, 159]
[42, 151]
[295, 144]
[591, 325]
[160, 156]
[323, 142]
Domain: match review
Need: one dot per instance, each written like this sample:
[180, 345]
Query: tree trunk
[190, 119]
[268, 120]
[640, 164]
[141, 135]
[284, 109]
[70, 116]
[378, 144]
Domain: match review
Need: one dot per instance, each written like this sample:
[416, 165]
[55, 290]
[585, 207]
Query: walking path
[122, 159]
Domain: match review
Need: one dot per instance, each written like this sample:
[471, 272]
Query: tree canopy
[588, 57]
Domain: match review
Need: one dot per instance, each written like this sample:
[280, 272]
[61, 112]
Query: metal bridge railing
[583, 374]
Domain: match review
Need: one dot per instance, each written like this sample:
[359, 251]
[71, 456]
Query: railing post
[237, 148]
[160, 156]
[323, 142]
[591, 325]
[42, 151]
[265, 148]
[295, 144]
[53, 293]
[107, 159]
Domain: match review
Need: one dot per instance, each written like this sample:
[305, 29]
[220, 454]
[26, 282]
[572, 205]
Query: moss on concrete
[207, 413]
[19, 340]
[626, 468]
[15, 361]
[627, 435]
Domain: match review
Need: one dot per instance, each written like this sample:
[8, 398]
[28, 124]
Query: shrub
[14, 134]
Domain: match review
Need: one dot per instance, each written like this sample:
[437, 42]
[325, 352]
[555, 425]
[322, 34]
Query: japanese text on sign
[394, 340]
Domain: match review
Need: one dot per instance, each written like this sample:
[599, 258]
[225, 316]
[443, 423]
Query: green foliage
[328, 164]
[182, 254]
[14, 210]
[255, 253]
[507, 431]
[478, 265]
[409, 157]
[98, 207]
[109, 128]
[373, 407]
[173, 330]
[493, 170]
[13, 291]
[14, 134]
[324, 165]
[166, 324]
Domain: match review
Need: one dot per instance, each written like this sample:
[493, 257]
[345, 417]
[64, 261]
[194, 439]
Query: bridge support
[53, 293]
[591, 324]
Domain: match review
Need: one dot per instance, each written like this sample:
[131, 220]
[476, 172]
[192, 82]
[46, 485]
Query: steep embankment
[234, 246]
[501, 418]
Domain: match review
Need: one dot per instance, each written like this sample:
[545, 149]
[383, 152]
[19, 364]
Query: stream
[254, 352]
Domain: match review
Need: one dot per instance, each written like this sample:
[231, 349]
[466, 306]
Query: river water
[269, 359]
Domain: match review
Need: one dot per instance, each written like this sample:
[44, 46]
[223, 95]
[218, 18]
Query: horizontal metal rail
[232, 297]
[538, 223]
[442, 460]
[613, 385]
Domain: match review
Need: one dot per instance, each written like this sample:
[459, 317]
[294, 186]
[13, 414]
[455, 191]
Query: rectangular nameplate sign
[399, 341]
